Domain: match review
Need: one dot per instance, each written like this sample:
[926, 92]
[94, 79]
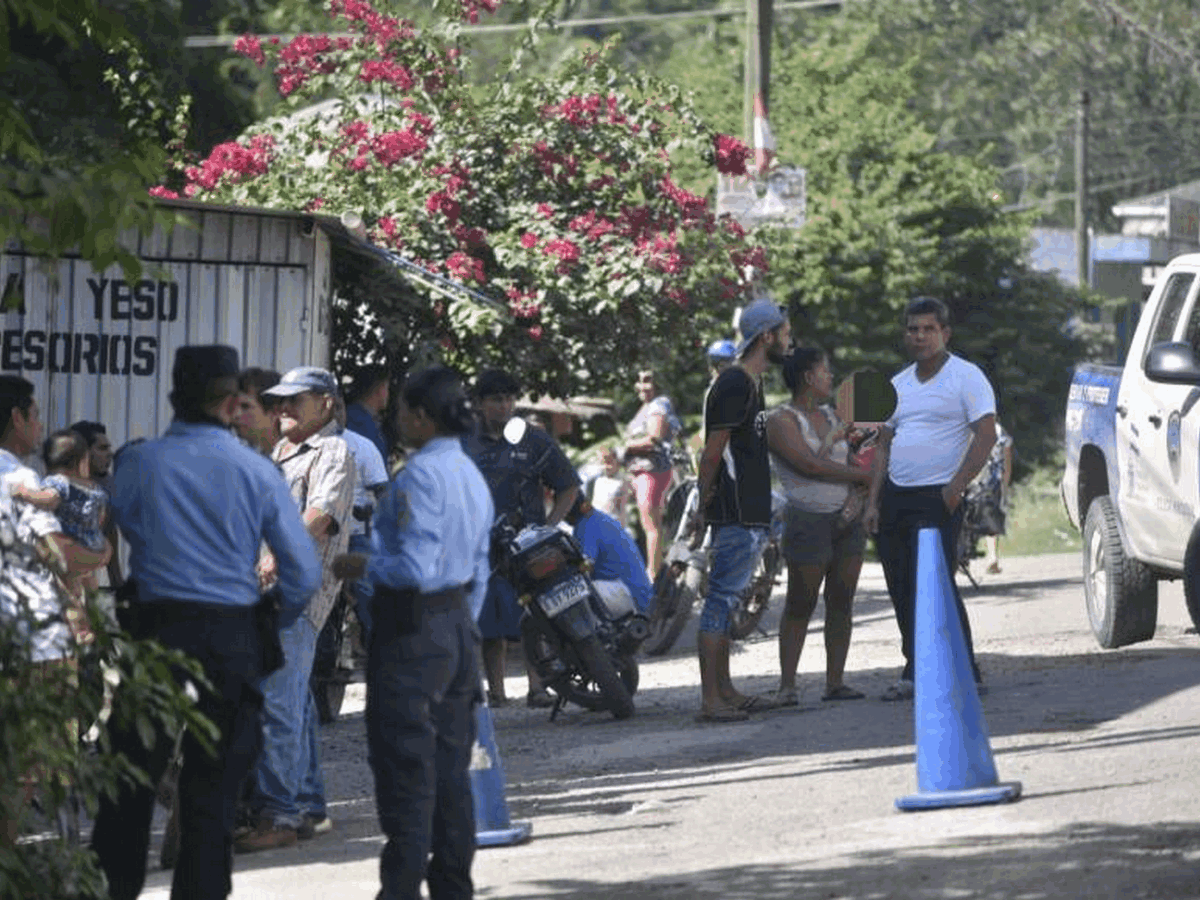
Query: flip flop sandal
[901, 690]
[843, 692]
[759, 703]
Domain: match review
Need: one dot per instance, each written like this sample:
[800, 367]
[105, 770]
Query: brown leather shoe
[265, 836]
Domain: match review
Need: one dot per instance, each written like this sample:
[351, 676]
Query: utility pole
[1081, 190]
[759, 20]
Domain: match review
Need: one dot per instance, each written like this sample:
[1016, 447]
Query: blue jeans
[288, 783]
[422, 689]
[736, 550]
[360, 591]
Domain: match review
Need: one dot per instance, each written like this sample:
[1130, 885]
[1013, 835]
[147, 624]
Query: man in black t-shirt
[735, 497]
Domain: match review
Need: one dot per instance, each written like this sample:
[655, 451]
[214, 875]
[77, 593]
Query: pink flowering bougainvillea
[553, 195]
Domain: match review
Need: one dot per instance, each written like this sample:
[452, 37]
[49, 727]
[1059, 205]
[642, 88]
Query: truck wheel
[1191, 578]
[1121, 593]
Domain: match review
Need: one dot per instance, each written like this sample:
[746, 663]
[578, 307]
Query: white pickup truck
[1132, 479]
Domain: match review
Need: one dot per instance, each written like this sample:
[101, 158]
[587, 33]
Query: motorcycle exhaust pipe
[634, 632]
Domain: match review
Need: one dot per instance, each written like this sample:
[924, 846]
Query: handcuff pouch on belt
[138, 620]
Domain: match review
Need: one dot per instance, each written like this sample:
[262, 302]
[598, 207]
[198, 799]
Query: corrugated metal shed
[98, 347]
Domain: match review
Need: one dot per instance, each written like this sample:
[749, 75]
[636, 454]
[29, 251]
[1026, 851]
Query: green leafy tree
[85, 113]
[554, 196]
[890, 217]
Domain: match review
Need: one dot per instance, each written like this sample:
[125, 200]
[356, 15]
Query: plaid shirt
[320, 474]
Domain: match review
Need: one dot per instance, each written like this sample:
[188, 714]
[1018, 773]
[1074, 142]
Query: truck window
[1174, 296]
[1191, 333]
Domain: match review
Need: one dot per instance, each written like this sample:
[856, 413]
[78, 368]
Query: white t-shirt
[932, 424]
[368, 463]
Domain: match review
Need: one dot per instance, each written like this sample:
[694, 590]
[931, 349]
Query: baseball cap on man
[303, 379]
[492, 382]
[759, 317]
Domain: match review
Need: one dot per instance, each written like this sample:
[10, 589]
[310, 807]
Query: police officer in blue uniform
[516, 475]
[429, 571]
[194, 507]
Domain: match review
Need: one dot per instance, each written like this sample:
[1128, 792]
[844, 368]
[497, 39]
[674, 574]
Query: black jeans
[225, 641]
[422, 689]
[903, 512]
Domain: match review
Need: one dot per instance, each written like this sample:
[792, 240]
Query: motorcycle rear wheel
[674, 598]
[749, 612]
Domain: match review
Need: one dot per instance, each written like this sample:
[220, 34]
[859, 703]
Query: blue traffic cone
[492, 826]
[954, 760]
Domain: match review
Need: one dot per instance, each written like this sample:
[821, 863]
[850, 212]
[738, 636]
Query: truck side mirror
[1173, 362]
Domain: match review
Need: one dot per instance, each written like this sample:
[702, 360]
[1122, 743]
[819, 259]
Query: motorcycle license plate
[564, 595]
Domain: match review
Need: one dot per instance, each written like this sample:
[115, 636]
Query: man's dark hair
[925, 306]
[64, 449]
[439, 392]
[15, 393]
[798, 363]
[89, 431]
[255, 380]
[366, 378]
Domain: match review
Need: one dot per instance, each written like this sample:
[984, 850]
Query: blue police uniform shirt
[507, 468]
[432, 526]
[360, 420]
[615, 555]
[194, 506]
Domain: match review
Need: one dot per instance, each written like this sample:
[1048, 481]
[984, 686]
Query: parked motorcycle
[581, 643]
[683, 578]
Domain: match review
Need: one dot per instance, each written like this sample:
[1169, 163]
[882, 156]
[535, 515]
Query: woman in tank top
[823, 537]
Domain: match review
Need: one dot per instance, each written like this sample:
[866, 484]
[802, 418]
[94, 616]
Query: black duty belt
[399, 611]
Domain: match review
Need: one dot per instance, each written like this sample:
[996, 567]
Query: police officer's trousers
[225, 641]
[422, 688]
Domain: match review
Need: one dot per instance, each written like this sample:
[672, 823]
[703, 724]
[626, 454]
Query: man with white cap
[735, 498]
[289, 790]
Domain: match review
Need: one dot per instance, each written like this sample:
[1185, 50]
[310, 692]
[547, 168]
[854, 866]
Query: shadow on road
[1084, 860]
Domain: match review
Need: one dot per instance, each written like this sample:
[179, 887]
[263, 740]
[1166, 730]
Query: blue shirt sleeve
[296, 555]
[408, 537]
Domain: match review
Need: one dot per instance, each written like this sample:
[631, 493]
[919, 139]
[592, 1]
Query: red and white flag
[764, 141]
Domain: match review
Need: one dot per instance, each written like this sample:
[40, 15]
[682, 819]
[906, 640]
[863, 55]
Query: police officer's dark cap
[493, 382]
[198, 365]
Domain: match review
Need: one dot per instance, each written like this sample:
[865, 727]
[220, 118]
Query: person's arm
[42, 497]
[293, 554]
[983, 439]
[658, 429]
[560, 476]
[331, 492]
[785, 440]
[883, 452]
[710, 463]
[76, 558]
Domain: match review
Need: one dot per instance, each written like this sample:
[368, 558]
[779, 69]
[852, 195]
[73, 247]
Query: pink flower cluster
[233, 160]
[383, 29]
[554, 164]
[692, 209]
[523, 304]
[387, 71]
[731, 154]
[393, 146]
[755, 257]
[164, 192]
[304, 56]
[465, 267]
[440, 202]
[250, 46]
[662, 254]
[567, 252]
[592, 226]
[472, 8]
[585, 111]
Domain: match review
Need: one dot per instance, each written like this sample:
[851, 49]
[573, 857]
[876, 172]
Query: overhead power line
[210, 41]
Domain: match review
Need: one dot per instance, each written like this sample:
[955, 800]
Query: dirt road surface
[799, 803]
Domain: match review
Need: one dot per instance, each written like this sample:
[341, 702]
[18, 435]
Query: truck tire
[1191, 578]
[1121, 593]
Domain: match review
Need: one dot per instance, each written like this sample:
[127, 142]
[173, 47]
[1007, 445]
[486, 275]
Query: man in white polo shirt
[929, 451]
